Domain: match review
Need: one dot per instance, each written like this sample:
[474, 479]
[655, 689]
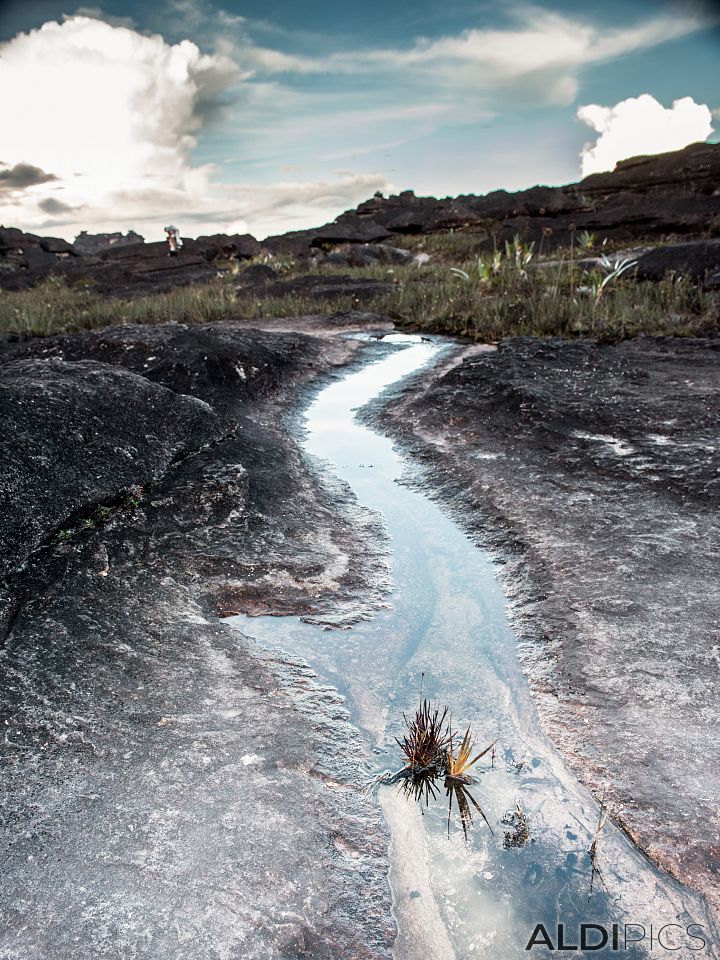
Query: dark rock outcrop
[235, 247]
[137, 270]
[672, 196]
[78, 435]
[26, 258]
[351, 227]
[668, 195]
[699, 260]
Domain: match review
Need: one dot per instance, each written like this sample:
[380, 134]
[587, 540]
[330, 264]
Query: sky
[262, 117]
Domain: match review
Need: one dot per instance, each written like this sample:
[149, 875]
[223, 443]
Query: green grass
[449, 247]
[487, 298]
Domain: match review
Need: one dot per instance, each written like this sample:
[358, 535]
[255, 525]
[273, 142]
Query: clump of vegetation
[466, 289]
[594, 851]
[101, 515]
[54, 307]
[433, 758]
[519, 834]
[448, 246]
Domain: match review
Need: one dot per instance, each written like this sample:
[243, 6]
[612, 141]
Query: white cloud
[539, 55]
[641, 125]
[100, 106]
[117, 135]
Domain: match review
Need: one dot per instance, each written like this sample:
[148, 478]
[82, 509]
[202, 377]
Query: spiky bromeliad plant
[457, 779]
[431, 759]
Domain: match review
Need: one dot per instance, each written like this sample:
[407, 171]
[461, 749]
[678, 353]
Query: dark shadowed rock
[137, 270]
[257, 273]
[12, 239]
[693, 170]
[58, 246]
[26, 258]
[665, 195]
[386, 253]
[76, 435]
[657, 198]
[349, 228]
[366, 255]
[699, 260]
[238, 246]
[224, 364]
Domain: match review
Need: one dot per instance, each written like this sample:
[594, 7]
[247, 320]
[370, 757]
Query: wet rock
[173, 791]
[593, 472]
[151, 756]
[225, 364]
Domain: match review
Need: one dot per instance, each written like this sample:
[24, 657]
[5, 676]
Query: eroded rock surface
[77, 435]
[593, 473]
[169, 790]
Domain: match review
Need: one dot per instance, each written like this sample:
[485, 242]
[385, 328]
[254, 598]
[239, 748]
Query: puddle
[446, 618]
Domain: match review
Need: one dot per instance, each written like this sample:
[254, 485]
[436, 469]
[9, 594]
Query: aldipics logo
[620, 937]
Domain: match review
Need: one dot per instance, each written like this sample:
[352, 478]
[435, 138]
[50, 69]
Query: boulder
[699, 260]
[257, 273]
[364, 255]
[58, 246]
[349, 228]
[26, 258]
[369, 255]
[237, 247]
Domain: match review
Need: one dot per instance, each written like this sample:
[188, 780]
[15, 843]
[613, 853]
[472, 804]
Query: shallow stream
[446, 627]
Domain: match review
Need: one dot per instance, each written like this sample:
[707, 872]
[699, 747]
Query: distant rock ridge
[669, 197]
[89, 243]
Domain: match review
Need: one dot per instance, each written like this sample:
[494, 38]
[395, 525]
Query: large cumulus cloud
[641, 125]
[115, 114]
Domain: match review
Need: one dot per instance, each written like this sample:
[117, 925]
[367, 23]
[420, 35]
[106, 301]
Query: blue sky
[280, 115]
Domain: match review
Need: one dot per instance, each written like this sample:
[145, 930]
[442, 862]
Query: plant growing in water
[430, 759]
